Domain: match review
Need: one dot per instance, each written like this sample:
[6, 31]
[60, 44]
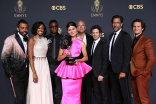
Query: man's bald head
[81, 26]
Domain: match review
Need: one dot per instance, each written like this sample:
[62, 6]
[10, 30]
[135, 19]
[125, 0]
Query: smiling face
[72, 31]
[117, 25]
[137, 28]
[23, 29]
[96, 34]
[40, 30]
[53, 28]
[81, 27]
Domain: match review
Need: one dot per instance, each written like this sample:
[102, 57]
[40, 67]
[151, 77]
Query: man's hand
[100, 78]
[122, 75]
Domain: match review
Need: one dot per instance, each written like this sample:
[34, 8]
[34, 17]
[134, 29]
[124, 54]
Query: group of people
[37, 67]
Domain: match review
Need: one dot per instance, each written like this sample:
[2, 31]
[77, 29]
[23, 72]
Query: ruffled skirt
[75, 71]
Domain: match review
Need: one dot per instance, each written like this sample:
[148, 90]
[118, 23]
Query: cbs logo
[135, 6]
[58, 7]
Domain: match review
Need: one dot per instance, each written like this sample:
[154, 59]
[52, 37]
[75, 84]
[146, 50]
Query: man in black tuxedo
[86, 92]
[15, 60]
[99, 54]
[52, 54]
[119, 57]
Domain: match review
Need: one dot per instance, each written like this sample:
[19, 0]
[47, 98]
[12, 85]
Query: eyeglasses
[80, 25]
[54, 27]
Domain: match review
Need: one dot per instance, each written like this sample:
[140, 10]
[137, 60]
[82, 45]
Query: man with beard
[15, 61]
[119, 57]
[86, 95]
[52, 54]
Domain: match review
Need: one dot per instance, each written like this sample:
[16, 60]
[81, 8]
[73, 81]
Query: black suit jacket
[121, 54]
[50, 49]
[89, 39]
[100, 59]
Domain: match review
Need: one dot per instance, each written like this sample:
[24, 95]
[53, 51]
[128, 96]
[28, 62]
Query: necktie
[92, 49]
[54, 47]
[113, 43]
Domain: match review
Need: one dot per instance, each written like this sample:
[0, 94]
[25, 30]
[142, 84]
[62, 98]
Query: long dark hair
[71, 24]
[36, 25]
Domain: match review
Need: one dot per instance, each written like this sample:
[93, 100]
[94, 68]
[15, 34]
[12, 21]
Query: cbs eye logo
[58, 7]
[135, 6]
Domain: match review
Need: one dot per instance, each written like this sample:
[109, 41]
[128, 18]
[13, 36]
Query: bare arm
[84, 52]
[61, 56]
[30, 56]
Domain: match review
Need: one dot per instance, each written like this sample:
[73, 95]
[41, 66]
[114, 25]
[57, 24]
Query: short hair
[71, 24]
[117, 16]
[96, 27]
[82, 21]
[36, 25]
[21, 21]
[143, 25]
[52, 21]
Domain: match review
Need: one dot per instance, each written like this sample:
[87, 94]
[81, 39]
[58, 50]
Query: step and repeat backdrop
[92, 12]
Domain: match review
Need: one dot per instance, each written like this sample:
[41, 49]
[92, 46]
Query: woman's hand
[35, 78]
[76, 61]
[68, 52]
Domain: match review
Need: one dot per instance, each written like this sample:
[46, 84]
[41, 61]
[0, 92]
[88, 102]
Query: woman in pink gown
[72, 74]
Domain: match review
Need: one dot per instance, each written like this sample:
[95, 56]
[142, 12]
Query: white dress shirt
[84, 39]
[110, 44]
[95, 44]
[24, 43]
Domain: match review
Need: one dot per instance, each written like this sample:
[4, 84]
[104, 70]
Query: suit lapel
[97, 46]
[117, 39]
[19, 41]
[136, 47]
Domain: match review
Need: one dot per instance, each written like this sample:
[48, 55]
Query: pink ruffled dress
[72, 76]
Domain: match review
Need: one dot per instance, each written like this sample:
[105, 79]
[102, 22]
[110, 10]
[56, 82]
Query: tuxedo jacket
[50, 49]
[89, 39]
[121, 54]
[100, 59]
[14, 59]
[142, 57]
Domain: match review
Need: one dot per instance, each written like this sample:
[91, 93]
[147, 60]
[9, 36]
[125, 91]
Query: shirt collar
[80, 38]
[96, 41]
[137, 38]
[118, 31]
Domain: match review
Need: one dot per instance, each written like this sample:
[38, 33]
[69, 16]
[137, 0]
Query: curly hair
[143, 25]
[96, 27]
[36, 25]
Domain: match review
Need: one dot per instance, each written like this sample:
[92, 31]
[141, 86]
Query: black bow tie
[25, 38]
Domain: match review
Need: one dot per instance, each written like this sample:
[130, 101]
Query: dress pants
[101, 90]
[19, 87]
[86, 91]
[120, 87]
[140, 89]
[57, 82]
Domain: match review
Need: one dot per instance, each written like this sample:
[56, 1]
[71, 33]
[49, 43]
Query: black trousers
[101, 90]
[86, 91]
[20, 86]
[120, 87]
[56, 85]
